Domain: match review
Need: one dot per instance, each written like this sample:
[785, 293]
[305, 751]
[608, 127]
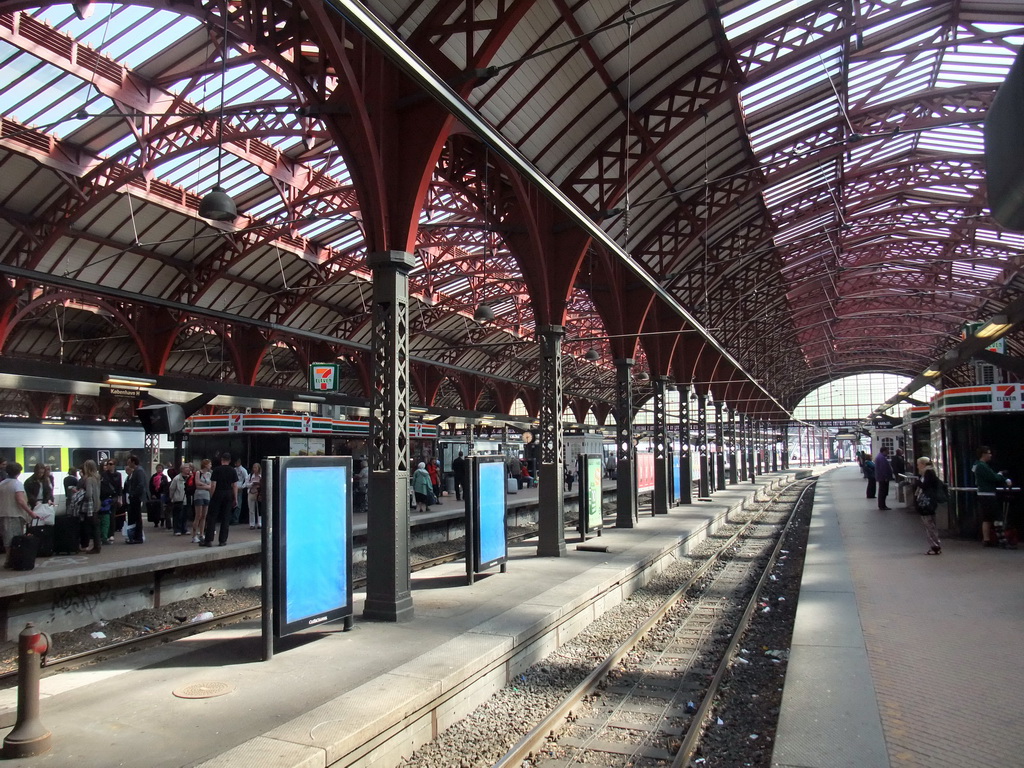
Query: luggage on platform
[66, 535]
[512, 484]
[23, 553]
[154, 511]
[44, 535]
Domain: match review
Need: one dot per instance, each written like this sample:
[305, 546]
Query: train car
[63, 445]
[254, 436]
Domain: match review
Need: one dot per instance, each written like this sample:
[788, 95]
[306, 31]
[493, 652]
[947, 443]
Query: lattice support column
[759, 443]
[685, 479]
[719, 447]
[625, 482]
[151, 443]
[741, 444]
[702, 446]
[388, 589]
[751, 448]
[551, 523]
[662, 471]
[731, 441]
[785, 445]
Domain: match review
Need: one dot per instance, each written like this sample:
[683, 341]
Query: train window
[7, 454]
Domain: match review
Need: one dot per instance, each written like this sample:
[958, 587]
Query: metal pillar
[702, 446]
[551, 520]
[733, 475]
[662, 498]
[759, 446]
[685, 479]
[741, 439]
[625, 483]
[388, 591]
[751, 448]
[720, 452]
[785, 446]
[775, 450]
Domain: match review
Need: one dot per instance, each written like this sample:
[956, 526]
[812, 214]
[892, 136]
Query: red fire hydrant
[29, 736]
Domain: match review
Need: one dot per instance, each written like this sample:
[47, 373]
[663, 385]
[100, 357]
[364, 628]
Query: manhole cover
[203, 690]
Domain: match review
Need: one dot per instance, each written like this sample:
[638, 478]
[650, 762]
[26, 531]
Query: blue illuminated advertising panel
[677, 490]
[313, 541]
[490, 539]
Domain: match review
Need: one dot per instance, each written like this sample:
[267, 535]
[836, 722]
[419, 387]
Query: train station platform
[898, 658]
[371, 695]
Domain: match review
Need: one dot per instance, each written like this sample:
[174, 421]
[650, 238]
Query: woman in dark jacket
[925, 499]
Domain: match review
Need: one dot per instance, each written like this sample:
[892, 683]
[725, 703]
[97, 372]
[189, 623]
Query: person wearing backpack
[926, 500]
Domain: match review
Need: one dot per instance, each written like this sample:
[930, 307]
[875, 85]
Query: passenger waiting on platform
[434, 470]
[868, 468]
[987, 480]
[91, 537]
[111, 500]
[201, 501]
[37, 490]
[137, 491]
[255, 494]
[242, 492]
[525, 481]
[70, 484]
[223, 492]
[360, 486]
[176, 496]
[926, 501]
[610, 468]
[422, 487]
[883, 474]
[14, 508]
[158, 485]
[570, 476]
[899, 467]
[459, 475]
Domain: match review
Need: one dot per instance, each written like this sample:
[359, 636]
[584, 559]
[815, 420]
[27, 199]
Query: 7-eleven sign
[323, 377]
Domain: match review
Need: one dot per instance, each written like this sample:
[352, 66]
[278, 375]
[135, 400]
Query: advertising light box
[491, 544]
[313, 542]
[593, 498]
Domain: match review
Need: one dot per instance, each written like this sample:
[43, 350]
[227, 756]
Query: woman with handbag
[91, 537]
[926, 500]
[422, 487]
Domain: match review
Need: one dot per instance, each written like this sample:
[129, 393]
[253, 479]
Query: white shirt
[243, 476]
[9, 489]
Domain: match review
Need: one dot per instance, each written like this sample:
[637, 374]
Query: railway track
[647, 702]
[56, 663]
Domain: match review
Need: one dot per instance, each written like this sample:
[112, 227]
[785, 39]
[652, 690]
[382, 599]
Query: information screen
[314, 537]
[491, 540]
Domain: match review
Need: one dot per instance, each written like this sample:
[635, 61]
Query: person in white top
[14, 508]
[241, 492]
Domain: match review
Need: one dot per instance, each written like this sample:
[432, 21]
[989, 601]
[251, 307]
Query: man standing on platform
[223, 488]
[459, 475]
[883, 474]
[137, 491]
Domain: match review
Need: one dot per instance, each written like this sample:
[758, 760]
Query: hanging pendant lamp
[217, 205]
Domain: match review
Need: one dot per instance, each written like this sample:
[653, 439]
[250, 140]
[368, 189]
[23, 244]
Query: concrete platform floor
[898, 658]
[330, 695]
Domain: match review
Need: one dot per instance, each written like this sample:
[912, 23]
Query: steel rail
[529, 743]
[696, 729]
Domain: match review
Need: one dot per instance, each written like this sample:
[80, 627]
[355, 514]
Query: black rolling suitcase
[23, 552]
[67, 534]
[154, 511]
[44, 535]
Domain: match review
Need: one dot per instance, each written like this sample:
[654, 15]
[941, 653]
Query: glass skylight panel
[956, 139]
[758, 13]
[784, 84]
[795, 124]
